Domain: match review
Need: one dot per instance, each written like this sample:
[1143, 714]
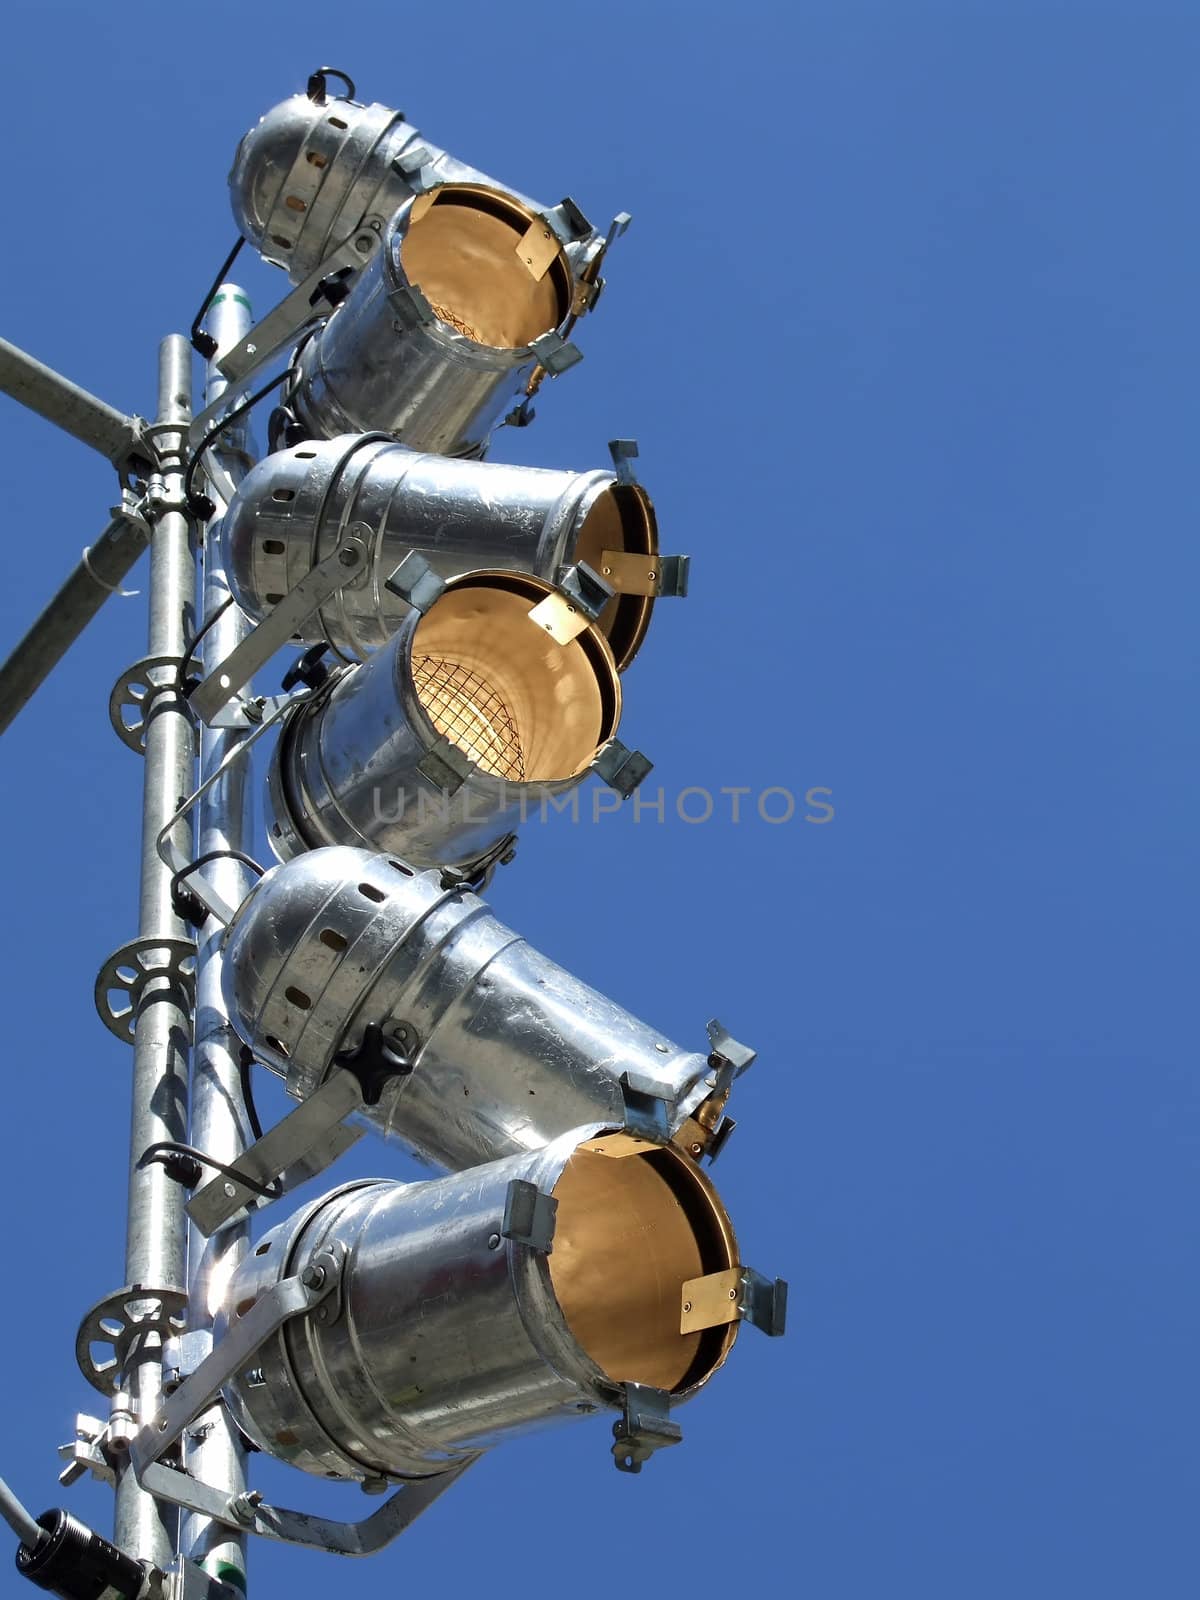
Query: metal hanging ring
[316, 84]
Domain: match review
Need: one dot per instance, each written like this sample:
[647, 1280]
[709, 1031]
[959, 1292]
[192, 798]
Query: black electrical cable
[166, 1148]
[200, 505]
[190, 652]
[214, 855]
[202, 342]
[245, 1063]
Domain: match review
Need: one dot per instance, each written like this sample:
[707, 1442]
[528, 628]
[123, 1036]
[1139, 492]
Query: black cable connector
[199, 504]
[72, 1561]
[204, 343]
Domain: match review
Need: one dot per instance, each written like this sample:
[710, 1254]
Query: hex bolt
[230, 1191]
[313, 1276]
[687, 1305]
[243, 1506]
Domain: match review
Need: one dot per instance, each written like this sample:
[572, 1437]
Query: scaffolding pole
[219, 1123]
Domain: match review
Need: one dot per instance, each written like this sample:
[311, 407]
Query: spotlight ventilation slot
[464, 708]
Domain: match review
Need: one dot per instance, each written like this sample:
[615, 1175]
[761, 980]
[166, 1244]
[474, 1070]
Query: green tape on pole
[233, 1576]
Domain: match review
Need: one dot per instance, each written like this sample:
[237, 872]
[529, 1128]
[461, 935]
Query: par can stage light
[497, 1049]
[293, 509]
[472, 1307]
[446, 326]
[499, 696]
[315, 167]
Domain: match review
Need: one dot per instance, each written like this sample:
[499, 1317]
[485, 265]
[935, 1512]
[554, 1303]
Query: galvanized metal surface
[219, 1124]
[365, 764]
[444, 1336]
[294, 508]
[391, 359]
[154, 1241]
[309, 171]
[508, 1051]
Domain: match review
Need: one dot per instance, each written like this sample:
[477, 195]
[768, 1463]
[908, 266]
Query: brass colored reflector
[627, 1238]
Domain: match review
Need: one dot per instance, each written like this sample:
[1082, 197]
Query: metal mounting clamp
[128, 972]
[555, 354]
[302, 1144]
[289, 1298]
[647, 1114]
[727, 1055]
[282, 622]
[644, 1427]
[621, 768]
[415, 582]
[529, 1216]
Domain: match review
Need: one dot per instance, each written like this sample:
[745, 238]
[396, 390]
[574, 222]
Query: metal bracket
[87, 1452]
[120, 1319]
[729, 1057]
[304, 1143]
[585, 589]
[288, 1298]
[300, 1527]
[529, 1216]
[411, 160]
[142, 689]
[655, 577]
[621, 768]
[280, 623]
[763, 1302]
[644, 1427]
[568, 221]
[416, 583]
[647, 1114]
[739, 1294]
[295, 311]
[170, 853]
[555, 354]
[624, 452]
[129, 970]
[446, 766]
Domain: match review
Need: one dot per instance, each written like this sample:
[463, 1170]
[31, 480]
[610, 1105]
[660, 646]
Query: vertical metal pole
[155, 1238]
[219, 1123]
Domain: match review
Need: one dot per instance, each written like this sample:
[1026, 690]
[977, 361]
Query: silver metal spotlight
[452, 321]
[312, 170]
[292, 511]
[464, 1310]
[494, 1048]
[495, 695]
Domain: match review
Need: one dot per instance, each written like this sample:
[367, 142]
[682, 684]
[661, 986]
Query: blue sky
[905, 325]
